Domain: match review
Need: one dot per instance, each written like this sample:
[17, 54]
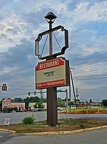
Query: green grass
[92, 122]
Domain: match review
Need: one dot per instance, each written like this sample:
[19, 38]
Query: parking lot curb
[66, 132]
[58, 132]
[6, 130]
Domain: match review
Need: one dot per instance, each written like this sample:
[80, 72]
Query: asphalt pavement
[98, 136]
[92, 136]
[19, 116]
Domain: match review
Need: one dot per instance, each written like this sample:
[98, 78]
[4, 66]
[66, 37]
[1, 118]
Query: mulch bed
[65, 125]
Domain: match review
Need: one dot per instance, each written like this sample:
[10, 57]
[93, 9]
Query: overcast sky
[20, 23]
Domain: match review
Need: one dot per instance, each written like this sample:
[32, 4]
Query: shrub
[82, 126]
[28, 120]
[92, 122]
[67, 121]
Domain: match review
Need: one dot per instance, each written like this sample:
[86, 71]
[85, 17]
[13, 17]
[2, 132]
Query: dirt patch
[65, 125]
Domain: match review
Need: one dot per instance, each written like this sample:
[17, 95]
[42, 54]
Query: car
[13, 111]
[40, 109]
[59, 108]
[73, 106]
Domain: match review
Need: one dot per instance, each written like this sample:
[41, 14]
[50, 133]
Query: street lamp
[50, 17]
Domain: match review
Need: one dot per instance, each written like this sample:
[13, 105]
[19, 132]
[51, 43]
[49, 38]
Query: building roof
[7, 100]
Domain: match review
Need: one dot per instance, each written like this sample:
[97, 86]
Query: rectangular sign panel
[52, 73]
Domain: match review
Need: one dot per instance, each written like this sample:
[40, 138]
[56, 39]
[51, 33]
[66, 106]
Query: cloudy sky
[20, 23]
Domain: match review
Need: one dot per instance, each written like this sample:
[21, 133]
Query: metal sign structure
[37, 51]
[52, 73]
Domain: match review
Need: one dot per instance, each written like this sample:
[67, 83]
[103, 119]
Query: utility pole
[66, 100]
[41, 93]
[77, 95]
[73, 84]
[70, 91]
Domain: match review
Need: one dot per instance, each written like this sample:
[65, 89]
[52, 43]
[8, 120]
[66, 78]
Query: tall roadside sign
[54, 72]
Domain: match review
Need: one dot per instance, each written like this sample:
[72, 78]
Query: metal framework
[47, 32]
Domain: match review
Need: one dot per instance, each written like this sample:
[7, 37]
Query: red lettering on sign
[50, 84]
[50, 64]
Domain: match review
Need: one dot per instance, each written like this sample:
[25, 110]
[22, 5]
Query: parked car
[39, 109]
[13, 111]
[59, 108]
[73, 106]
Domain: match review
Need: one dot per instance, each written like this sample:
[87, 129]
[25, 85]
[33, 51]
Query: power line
[89, 78]
[95, 91]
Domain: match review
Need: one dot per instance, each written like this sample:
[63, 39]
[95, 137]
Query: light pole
[72, 86]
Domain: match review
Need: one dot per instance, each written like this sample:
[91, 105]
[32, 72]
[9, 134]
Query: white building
[6, 103]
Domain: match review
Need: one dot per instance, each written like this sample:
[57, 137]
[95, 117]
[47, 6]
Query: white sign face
[51, 73]
[7, 121]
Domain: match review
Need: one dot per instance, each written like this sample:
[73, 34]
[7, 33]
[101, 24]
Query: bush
[28, 120]
[82, 126]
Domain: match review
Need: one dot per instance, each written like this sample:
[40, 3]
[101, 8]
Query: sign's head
[39, 51]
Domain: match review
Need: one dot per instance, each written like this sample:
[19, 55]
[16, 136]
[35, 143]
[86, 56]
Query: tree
[39, 105]
[90, 101]
[59, 103]
[32, 99]
[104, 102]
[70, 103]
[17, 100]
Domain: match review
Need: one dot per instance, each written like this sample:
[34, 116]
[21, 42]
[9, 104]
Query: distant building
[31, 106]
[6, 103]
[95, 104]
[45, 105]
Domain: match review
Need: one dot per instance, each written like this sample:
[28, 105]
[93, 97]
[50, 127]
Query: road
[89, 137]
[18, 116]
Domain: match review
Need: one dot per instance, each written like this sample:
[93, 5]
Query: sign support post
[51, 92]
[52, 106]
[53, 72]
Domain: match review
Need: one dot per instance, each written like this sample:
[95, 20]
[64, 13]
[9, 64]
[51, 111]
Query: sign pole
[52, 119]
[52, 106]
